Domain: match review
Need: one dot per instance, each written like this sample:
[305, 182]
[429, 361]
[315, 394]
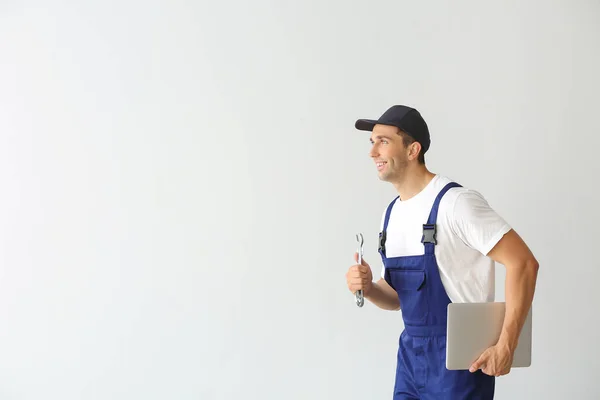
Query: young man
[439, 243]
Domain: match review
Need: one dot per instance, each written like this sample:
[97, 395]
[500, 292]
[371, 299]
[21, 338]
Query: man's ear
[415, 147]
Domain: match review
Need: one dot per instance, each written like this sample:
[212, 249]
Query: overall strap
[382, 234]
[388, 212]
[429, 229]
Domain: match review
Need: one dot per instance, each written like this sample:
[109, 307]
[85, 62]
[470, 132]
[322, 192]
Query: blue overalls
[421, 364]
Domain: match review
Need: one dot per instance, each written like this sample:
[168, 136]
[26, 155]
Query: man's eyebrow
[380, 136]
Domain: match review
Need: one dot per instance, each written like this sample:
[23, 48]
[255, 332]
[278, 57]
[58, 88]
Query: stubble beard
[394, 175]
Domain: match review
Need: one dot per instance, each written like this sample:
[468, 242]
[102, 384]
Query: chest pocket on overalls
[412, 293]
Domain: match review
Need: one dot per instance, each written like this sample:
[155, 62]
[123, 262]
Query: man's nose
[373, 152]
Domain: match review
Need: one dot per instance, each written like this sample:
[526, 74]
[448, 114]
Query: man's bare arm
[521, 276]
[383, 295]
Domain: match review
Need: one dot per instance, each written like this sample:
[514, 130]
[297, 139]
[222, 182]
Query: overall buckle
[429, 232]
[381, 244]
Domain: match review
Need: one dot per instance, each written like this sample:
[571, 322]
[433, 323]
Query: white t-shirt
[467, 229]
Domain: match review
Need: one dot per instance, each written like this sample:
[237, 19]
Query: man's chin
[384, 177]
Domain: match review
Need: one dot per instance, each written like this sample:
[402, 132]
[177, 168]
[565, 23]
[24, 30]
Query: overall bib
[421, 363]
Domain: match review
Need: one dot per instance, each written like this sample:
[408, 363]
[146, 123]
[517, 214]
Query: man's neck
[413, 182]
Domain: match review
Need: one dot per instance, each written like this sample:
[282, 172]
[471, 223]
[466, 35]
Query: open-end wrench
[360, 300]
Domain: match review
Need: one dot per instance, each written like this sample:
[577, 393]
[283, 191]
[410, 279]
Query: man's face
[388, 152]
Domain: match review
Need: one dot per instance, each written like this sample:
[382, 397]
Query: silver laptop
[473, 327]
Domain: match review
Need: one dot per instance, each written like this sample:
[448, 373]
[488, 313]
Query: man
[439, 243]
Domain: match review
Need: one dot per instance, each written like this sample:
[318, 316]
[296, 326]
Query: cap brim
[365, 124]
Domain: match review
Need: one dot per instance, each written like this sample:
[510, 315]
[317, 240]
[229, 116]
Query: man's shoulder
[461, 200]
[467, 214]
[454, 193]
[465, 196]
[466, 205]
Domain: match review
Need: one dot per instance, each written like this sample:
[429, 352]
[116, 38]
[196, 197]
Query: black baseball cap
[406, 118]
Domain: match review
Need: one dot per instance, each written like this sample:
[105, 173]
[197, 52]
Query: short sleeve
[476, 223]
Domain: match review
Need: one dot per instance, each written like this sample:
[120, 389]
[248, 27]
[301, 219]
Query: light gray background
[182, 183]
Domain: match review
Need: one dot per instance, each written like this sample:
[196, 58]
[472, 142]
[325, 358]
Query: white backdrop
[182, 183]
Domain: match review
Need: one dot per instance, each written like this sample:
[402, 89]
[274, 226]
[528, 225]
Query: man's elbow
[532, 265]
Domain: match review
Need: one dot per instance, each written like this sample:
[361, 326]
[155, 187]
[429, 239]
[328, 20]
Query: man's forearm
[383, 296]
[519, 291]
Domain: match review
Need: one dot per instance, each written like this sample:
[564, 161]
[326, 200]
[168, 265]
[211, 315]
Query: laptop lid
[473, 327]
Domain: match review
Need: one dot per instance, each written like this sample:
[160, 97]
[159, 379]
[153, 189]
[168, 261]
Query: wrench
[360, 300]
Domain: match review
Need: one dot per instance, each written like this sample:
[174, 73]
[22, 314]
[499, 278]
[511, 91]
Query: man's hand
[359, 277]
[494, 361]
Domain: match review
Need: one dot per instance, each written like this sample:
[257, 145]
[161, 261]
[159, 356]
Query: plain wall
[182, 184]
